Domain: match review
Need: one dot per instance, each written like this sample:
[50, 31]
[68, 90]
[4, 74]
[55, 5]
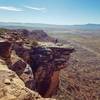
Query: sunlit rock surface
[38, 65]
[45, 60]
[11, 86]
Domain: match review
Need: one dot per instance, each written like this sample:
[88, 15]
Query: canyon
[36, 60]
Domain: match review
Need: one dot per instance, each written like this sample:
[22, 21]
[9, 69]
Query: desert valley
[58, 62]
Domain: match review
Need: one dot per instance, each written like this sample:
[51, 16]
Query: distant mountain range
[48, 27]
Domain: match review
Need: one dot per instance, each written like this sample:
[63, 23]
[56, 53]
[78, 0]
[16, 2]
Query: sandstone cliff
[13, 88]
[37, 64]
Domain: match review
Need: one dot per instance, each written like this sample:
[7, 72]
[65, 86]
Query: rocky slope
[37, 64]
[13, 88]
[37, 35]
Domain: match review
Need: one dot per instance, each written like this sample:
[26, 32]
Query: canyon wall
[39, 65]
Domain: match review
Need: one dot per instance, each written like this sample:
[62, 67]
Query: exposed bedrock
[11, 86]
[46, 60]
[38, 66]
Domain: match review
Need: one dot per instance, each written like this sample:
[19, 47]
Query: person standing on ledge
[56, 41]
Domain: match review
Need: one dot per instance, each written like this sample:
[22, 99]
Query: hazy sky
[50, 11]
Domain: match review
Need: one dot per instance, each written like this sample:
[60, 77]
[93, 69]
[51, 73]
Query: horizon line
[48, 23]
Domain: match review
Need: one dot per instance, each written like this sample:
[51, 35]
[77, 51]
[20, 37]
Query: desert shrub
[34, 43]
[2, 30]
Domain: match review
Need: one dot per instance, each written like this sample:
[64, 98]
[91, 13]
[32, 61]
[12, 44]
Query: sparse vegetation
[81, 80]
[2, 30]
[34, 43]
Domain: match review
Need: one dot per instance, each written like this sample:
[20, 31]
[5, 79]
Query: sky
[60, 12]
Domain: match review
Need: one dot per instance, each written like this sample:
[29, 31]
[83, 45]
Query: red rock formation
[39, 66]
[5, 51]
[46, 63]
[54, 84]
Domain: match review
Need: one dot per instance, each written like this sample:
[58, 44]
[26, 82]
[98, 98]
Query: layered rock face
[46, 60]
[39, 65]
[11, 86]
[38, 35]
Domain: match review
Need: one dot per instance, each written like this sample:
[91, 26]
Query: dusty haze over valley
[49, 50]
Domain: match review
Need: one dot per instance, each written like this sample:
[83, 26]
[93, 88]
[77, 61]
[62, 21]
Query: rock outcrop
[46, 60]
[11, 86]
[38, 65]
[38, 35]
